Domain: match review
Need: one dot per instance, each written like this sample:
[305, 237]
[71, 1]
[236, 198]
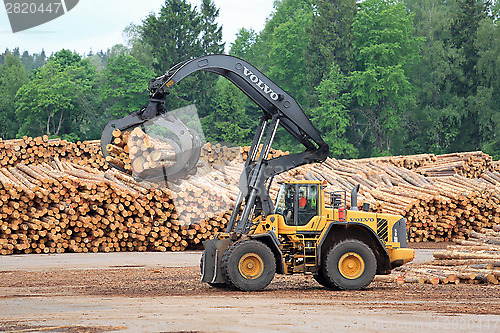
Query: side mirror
[336, 200]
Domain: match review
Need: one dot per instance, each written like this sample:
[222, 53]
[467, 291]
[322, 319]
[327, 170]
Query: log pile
[474, 261]
[137, 152]
[42, 150]
[65, 207]
[468, 164]
[138, 148]
[436, 208]
[221, 154]
[495, 166]
[37, 183]
[402, 161]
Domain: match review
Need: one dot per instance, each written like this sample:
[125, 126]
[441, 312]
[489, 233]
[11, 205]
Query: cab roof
[311, 182]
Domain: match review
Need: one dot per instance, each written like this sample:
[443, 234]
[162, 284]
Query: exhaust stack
[354, 198]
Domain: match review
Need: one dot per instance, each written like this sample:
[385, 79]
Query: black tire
[248, 265]
[350, 265]
[214, 285]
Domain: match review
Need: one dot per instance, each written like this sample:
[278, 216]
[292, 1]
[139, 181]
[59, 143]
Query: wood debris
[472, 261]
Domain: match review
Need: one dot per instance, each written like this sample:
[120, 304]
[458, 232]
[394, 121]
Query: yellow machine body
[304, 243]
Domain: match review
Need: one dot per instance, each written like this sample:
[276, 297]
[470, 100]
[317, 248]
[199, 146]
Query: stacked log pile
[436, 208]
[61, 206]
[42, 150]
[137, 152]
[476, 260]
[403, 161]
[468, 164]
[37, 184]
[222, 154]
[50, 205]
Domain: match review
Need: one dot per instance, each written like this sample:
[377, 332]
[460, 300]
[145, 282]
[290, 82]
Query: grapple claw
[158, 150]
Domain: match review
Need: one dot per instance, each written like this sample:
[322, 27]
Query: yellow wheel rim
[251, 266]
[351, 265]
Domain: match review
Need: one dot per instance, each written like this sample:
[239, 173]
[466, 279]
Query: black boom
[279, 108]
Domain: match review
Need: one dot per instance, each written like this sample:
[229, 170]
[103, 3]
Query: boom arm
[258, 87]
[279, 109]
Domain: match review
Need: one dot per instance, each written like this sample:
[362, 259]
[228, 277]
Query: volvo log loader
[300, 233]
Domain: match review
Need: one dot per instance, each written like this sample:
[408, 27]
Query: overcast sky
[98, 24]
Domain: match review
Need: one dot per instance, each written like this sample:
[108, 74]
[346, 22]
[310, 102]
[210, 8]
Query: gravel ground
[171, 299]
[52, 296]
[482, 299]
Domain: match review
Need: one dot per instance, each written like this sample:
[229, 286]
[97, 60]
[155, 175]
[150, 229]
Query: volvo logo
[361, 219]
[260, 84]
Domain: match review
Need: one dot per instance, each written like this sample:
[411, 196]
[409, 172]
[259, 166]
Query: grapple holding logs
[184, 145]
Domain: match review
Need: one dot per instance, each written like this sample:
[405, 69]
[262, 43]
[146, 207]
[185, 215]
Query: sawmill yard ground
[160, 292]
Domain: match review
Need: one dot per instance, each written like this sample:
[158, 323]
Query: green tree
[124, 86]
[475, 97]
[27, 60]
[97, 61]
[134, 46]
[330, 35]
[284, 11]
[436, 117]
[242, 46]
[66, 58]
[280, 52]
[31, 62]
[12, 77]
[332, 116]
[289, 51]
[227, 123]
[118, 49]
[211, 34]
[487, 98]
[173, 34]
[464, 26]
[384, 45]
[179, 33]
[58, 99]
[40, 60]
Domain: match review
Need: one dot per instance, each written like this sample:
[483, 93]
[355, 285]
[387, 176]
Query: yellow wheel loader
[342, 249]
[301, 232]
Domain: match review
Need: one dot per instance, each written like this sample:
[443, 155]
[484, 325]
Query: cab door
[299, 206]
[308, 206]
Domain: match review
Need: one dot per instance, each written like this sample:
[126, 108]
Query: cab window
[307, 203]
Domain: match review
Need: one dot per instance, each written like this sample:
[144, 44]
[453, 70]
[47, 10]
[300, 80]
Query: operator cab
[298, 202]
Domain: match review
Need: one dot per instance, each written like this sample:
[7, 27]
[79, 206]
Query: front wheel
[350, 265]
[248, 265]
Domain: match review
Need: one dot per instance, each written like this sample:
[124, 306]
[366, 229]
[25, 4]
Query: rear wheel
[248, 265]
[349, 265]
